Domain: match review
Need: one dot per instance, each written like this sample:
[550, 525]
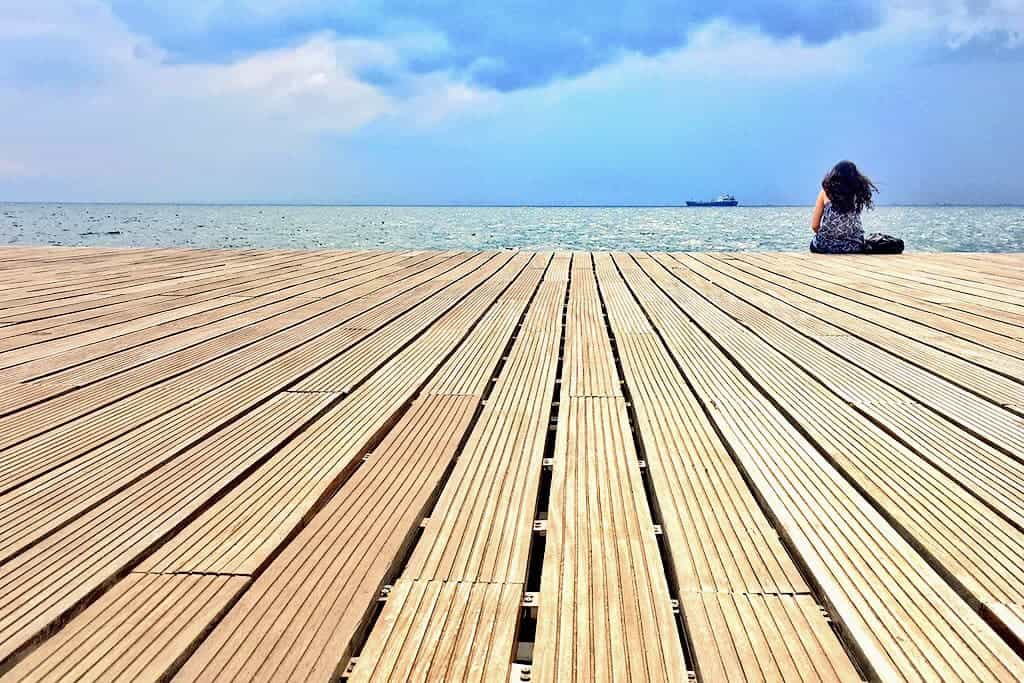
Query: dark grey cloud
[501, 45]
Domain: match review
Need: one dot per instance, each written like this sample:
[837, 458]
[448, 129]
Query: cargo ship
[723, 200]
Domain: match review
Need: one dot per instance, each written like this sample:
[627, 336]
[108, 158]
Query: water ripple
[398, 227]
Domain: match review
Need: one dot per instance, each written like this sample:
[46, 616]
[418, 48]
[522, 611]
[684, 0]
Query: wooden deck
[397, 466]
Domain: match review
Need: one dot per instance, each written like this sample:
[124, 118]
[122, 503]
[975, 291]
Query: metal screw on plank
[524, 673]
[350, 668]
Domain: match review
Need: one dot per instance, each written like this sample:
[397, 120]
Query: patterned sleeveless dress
[840, 233]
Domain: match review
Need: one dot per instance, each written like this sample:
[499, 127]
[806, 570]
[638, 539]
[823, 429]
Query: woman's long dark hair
[848, 189]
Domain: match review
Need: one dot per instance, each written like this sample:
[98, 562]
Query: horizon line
[470, 205]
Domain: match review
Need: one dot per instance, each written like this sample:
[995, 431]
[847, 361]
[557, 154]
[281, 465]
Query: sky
[527, 102]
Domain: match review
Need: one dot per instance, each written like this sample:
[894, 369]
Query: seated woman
[836, 223]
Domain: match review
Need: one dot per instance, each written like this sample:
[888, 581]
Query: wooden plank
[952, 279]
[721, 546]
[589, 367]
[891, 272]
[302, 280]
[174, 466]
[906, 621]
[167, 614]
[51, 305]
[40, 587]
[101, 360]
[300, 618]
[1010, 617]
[995, 477]
[938, 516]
[754, 637]
[346, 552]
[603, 587]
[471, 562]
[973, 266]
[339, 374]
[889, 325]
[70, 489]
[969, 411]
[481, 527]
[934, 290]
[48, 367]
[95, 267]
[901, 302]
[980, 380]
[111, 274]
[16, 396]
[237, 535]
[470, 371]
[18, 350]
[434, 630]
[94, 361]
[123, 277]
[39, 439]
[717, 535]
[605, 611]
[926, 291]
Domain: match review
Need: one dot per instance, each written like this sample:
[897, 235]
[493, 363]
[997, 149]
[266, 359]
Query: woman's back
[840, 233]
[845, 192]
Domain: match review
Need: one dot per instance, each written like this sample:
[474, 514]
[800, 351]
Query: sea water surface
[923, 228]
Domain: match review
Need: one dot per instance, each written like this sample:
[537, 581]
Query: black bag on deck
[877, 243]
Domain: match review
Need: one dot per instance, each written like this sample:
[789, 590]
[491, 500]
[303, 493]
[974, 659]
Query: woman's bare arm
[819, 209]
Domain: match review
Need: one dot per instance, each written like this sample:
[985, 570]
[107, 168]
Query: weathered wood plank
[212, 461]
[724, 551]
[603, 587]
[133, 632]
[936, 514]
[435, 630]
[300, 618]
[903, 616]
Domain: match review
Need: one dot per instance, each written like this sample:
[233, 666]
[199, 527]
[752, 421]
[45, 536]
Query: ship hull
[731, 203]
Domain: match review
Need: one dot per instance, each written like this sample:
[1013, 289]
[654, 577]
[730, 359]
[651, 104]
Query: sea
[743, 228]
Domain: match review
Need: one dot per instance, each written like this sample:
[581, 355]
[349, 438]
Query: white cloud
[728, 57]
[137, 120]
[737, 57]
[138, 124]
[959, 22]
[311, 85]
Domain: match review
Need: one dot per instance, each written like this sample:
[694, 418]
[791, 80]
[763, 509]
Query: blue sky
[529, 102]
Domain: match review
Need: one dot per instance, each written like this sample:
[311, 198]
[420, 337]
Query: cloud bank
[239, 99]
